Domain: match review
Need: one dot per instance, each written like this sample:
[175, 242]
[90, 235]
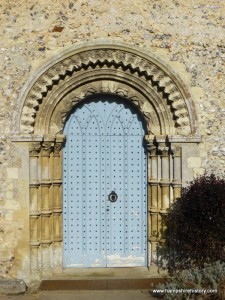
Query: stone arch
[156, 92]
[154, 89]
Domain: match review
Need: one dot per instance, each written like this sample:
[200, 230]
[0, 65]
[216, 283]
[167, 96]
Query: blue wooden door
[104, 186]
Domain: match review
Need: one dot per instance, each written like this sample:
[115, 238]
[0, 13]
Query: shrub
[195, 224]
[210, 277]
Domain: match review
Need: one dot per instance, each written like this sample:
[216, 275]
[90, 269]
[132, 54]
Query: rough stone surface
[187, 36]
[12, 287]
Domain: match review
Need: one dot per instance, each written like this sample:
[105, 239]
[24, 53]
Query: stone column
[57, 162]
[34, 166]
[35, 149]
[46, 242]
[57, 204]
[34, 244]
[177, 180]
[153, 180]
[46, 176]
[152, 200]
[57, 175]
[46, 204]
[165, 177]
[34, 229]
[153, 194]
[46, 228]
[164, 152]
[46, 150]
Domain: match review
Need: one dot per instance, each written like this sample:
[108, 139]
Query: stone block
[194, 162]
[12, 173]
[12, 287]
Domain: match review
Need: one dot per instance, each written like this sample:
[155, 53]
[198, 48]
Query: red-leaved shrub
[195, 224]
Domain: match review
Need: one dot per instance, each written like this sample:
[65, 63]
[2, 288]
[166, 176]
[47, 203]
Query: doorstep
[100, 284]
[135, 278]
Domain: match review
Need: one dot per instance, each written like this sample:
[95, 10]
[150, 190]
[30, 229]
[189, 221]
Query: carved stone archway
[157, 93]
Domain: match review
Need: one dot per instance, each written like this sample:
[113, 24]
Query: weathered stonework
[123, 72]
[12, 287]
[165, 53]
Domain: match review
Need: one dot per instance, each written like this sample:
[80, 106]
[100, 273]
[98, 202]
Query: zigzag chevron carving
[102, 59]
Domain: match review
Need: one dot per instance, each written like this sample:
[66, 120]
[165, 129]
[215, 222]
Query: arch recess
[153, 89]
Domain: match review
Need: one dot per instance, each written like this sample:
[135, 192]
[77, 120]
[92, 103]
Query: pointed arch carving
[137, 77]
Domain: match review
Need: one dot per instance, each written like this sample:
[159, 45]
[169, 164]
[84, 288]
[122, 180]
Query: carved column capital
[163, 150]
[176, 150]
[35, 148]
[149, 139]
[46, 148]
[56, 149]
[152, 150]
[150, 144]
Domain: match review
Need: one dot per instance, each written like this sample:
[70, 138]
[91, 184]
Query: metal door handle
[112, 197]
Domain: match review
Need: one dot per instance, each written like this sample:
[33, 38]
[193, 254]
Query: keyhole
[112, 197]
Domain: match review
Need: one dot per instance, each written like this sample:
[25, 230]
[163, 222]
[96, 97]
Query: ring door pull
[112, 197]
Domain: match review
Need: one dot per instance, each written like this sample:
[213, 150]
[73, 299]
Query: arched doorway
[61, 87]
[104, 185]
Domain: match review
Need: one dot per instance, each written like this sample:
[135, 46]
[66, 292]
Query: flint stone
[12, 287]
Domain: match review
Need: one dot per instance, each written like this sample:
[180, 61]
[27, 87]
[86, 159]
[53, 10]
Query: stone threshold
[101, 284]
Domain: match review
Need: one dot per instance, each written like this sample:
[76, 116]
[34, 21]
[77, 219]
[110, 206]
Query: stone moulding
[107, 69]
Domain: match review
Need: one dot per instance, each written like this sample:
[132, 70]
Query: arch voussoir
[104, 60]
